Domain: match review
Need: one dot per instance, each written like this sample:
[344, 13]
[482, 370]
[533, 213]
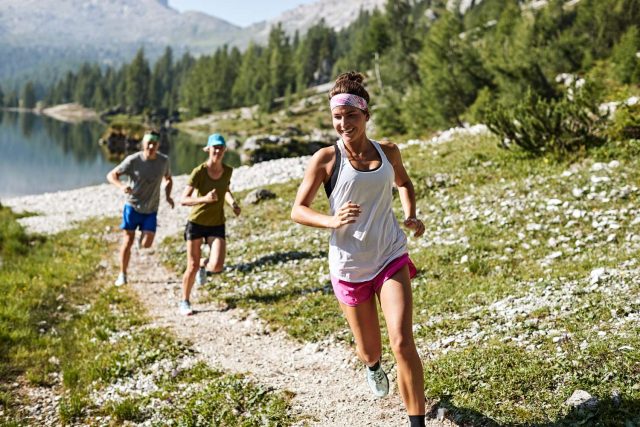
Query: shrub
[558, 127]
[626, 123]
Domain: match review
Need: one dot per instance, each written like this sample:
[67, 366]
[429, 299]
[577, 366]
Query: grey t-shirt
[146, 177]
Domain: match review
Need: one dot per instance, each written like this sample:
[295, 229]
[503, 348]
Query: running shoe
[201, 276]
[121, 280]
[378, 381]
[185, 308]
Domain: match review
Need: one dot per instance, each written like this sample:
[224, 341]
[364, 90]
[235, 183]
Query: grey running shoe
[121, 280]
[185, 308]
[378, 381]
[201, 276]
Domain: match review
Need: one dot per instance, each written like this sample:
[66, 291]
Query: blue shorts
[131, 220]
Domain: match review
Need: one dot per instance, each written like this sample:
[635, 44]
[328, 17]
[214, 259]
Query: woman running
[206, 221]
[367, 249]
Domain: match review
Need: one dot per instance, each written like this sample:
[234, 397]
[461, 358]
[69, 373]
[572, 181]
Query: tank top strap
[377, 146]
[343, 151]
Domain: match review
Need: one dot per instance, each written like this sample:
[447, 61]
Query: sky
[239, 12]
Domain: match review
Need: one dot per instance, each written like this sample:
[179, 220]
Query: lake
[39, 154]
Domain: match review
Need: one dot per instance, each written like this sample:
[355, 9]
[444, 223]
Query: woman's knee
[193, 264]
[370, 356]
[402, 344]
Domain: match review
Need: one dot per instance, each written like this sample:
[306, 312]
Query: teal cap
[215, 140]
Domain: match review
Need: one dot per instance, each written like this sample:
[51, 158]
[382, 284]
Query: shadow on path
[277, 258]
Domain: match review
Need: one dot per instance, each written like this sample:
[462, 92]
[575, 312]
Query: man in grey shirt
[146, 170]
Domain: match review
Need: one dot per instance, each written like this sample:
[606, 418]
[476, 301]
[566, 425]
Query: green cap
[148, 137]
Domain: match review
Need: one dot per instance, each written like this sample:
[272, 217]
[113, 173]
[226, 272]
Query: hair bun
[353, 76]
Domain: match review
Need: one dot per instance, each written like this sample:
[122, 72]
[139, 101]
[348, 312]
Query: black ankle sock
[416, 420]
[374, 367]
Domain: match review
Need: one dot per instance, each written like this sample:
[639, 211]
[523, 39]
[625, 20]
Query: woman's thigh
[397, 305]
[193, 252]
[363, 321]
[218, 252]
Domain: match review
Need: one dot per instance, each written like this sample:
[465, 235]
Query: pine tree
[247, 83]
[162, 82]
[1, 98]
[626, 62]
[137, 83]
[451, 72]
[29, 95]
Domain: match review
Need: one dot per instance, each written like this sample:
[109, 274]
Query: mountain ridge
[41, 35]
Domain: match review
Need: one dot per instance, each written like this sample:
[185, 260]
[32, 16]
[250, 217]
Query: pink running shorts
[352, 294]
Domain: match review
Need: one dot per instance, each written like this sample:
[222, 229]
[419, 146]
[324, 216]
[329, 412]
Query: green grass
[63, 324]
[507, 320]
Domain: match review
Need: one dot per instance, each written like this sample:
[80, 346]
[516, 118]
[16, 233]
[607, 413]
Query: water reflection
[39, 154]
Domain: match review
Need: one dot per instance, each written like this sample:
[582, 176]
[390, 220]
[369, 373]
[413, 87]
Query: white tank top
[359, 251]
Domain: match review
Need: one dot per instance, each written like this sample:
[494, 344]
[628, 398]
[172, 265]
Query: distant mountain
[104, 23]
[41, 39]
[336, 14]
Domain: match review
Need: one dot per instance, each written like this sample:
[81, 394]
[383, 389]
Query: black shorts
[195, 231]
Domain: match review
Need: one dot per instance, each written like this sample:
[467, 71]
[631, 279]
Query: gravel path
[327, 382]
[326, 379]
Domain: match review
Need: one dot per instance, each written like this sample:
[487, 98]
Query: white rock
[597, 274]
[581, 398]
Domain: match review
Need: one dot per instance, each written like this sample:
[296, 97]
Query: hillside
[64, 34]
[528, 289]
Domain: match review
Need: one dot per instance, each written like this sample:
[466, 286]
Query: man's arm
[114, 178]
[167, 190]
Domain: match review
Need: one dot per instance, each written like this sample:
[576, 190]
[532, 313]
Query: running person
[206, 221]
[367, 249]
[146, 170]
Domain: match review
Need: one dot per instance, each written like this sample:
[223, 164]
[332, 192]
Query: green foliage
[482, 106]
[557, 127]
[126, 410]
[28, 95]
[387, 113]
[315, 56]
[451, 72]
[13, 240]
[137, 84]
[33, 281]
[437, 67]
[626, 123]
[625, 56]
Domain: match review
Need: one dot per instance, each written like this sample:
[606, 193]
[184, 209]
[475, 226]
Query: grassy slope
[507, 319]
[63, 325]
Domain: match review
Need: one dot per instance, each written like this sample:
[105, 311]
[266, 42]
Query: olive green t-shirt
[209, 214]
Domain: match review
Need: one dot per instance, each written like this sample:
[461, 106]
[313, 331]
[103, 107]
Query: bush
[558, 127]
[626, 123]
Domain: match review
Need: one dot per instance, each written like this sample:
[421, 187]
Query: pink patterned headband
[348, 99]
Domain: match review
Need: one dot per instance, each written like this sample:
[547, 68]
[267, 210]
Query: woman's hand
[346, 214]
[415, 224]
[211, 196]
[236, 209]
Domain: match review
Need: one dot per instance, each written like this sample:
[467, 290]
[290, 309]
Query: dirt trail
[328, 384]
